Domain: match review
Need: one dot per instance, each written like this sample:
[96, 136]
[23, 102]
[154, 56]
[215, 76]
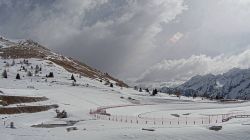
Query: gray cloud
[130, 37]
[183, 69]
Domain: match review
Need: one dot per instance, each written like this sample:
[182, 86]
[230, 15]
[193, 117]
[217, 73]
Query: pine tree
[4, 74]
[155, 92]
[111, 85]
[73, 78]
[51, 75]
[18, 76]
[195, 95]
[140, 90]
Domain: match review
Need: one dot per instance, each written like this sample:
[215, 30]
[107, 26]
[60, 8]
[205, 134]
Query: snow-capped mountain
[15, 49]
[234, 84]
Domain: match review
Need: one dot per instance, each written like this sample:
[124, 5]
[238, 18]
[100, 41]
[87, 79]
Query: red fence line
[101, 114]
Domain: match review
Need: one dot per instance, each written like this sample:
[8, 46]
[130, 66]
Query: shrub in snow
[4, 74]
[18, 76]
[195, 95]
[215, 128]
[111, 85]
[51, 75]
[140, 90]
[29, 73]
[31, 87]
[155, 91]
[62, 114]
[12, 125]
[71, 128]
[23, 68]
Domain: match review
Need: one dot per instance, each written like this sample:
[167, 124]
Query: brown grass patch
[26, 109]
[21, 99]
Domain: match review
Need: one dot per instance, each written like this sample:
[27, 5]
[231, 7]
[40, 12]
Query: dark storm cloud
[129, 38]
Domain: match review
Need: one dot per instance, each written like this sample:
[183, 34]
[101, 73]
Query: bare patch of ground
[26, 109]
[20, 99]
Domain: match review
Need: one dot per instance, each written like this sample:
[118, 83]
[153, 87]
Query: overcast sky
[148, 40]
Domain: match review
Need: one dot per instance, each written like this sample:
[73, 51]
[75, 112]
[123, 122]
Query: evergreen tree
[195, 95]
[154, 92]
[18, 76]
[140, 90]
[73, 78]
[111, 85]
[4, 74]
[51, 75]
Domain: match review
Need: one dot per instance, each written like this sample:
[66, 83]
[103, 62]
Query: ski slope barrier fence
[101, 114]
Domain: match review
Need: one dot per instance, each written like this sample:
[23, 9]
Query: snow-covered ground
[92, 94]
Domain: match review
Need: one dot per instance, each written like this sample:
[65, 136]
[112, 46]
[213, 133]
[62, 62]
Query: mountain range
[234, 84]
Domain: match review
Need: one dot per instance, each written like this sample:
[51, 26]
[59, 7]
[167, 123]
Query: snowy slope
[234, 84]
[91, 94]
[15, 49]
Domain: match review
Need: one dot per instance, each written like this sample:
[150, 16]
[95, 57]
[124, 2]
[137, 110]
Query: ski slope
[92, 94]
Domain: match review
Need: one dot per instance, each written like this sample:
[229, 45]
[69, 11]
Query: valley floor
[77, 101]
